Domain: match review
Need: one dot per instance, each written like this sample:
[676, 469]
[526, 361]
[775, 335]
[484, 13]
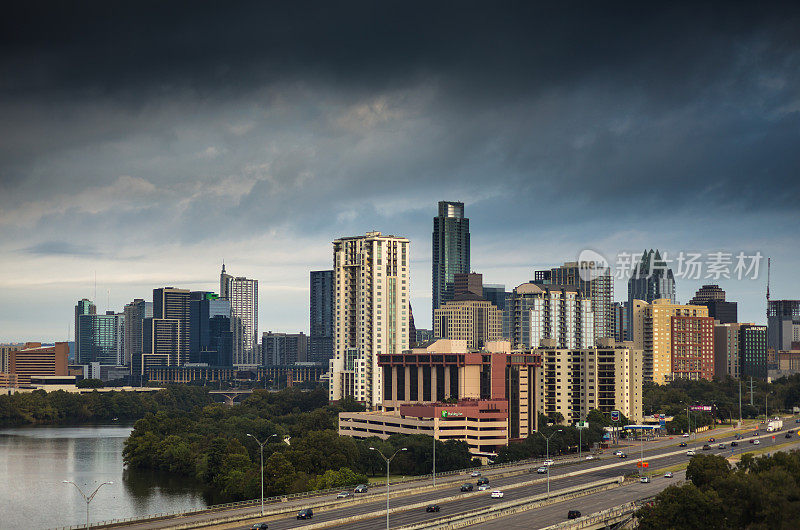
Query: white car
[590, 457]
[685, 435]
[548, 463]
[756, 442]
[475, 474]
[497, 494]
[542, 470]
[690, 452]
[483, 487]
[617, 453]
[668, 474]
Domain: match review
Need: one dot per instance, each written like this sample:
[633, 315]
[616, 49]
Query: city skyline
[605, 128]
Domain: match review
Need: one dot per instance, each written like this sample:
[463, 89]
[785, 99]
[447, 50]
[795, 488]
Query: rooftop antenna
[769, 263]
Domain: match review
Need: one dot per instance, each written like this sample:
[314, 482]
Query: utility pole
[751, 391]
[740, 401]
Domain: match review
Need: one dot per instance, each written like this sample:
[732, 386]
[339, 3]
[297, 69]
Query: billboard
[614, 415]
[700, 408]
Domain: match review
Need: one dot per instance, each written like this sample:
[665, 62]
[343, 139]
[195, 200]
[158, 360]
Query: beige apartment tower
[468, 317]
[372, 275]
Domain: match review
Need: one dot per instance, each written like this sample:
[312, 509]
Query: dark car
[308, 513]
[483, 480]
[259, 526]
[738, 436]
[752, 440]
[573, 514]
[466, 487]
[682, 444]
[432, 508]
[787, 435]
[712, 439]
[623, 455]
[797, 420]
[706, 447]
[361, 488]
[734, 444]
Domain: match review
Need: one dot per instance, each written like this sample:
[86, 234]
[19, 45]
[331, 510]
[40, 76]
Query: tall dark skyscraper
[321, 338]
[170, 303]
[651, 280]
[101, 339]
[210, 335]
[450, 250]
[135, 313]
[783, 320]
[713, 297]
[83, 307]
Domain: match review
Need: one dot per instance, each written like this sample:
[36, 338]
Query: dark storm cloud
[61, 248]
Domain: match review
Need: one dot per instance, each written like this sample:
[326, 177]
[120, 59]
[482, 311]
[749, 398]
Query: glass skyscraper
[651, 280]
[321, 317]
[210, 335]
[450, 250]
[101, 339]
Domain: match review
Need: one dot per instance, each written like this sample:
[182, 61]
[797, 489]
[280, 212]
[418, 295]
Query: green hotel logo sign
[446, 414]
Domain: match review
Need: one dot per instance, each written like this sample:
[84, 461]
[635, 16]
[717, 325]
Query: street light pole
[261, 447]
[85, 498]
[388, 461]
[547, 457]
[434, 460]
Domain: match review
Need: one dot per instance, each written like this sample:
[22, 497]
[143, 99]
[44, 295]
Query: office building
[161, 341]
[5, 352]
[34, 360]
[373, 284]
[571, 382]
[280, 349]
[713, 297]
[468, 317]
[450, 250]
[101, 339]
[83, 307]
[688, 342]
[468, 283]
[321, 337]
[537, 312]
[753, 351]
[594, 282]
[170, 303]
[424, 335]
[243, 296]
[134, 315]
[650, 280]
[496, 294]
[783, 321]
[210, 335]
[726, 350]
[620, 315]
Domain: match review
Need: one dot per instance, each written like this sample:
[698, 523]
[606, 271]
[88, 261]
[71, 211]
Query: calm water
[35, 460]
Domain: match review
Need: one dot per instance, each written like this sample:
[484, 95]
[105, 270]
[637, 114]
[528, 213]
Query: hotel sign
[446, 414]
[701, 408]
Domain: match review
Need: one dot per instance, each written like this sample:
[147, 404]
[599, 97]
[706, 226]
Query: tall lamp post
[434, 460]
[86, 498]
[388, 461]
[547, 452]
[261, 447]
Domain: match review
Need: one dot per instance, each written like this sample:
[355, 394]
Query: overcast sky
[142, 143]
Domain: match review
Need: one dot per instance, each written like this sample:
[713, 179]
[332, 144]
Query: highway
[590, 471]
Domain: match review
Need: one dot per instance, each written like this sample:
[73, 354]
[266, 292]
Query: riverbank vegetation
[59, 407]
[759, 492]
[303, 450]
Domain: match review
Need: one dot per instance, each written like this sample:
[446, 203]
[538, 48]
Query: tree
[682, 507]
[703, 470]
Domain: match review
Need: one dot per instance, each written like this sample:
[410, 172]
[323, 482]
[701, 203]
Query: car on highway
[542, 470]
[344, 495]
[573, 514]
[482, 481]
[483, 487]
[260, 526]
[752, 440]
[432, 508]
[467, 487]
[475, 474]
[757, 442]
[788, 434]
[682, 444]
[668, 474]
[734, 444]
[497, 494]
[706, 447]
[712, 440]
[361, 488]
[721, 446]
[644, 480]
[690, 452]
[548, 463]
[590, 457]
[738, 436]
[685, 435]
[307, 513]
[797, 420]
[623, 455]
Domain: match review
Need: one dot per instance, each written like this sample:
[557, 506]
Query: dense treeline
[212, 445]
[671, 399]
[758, 493]
[40, 407]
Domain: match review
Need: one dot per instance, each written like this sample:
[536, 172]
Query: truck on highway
[774, 425]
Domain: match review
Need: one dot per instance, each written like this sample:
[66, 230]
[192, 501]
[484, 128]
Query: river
[34, 462]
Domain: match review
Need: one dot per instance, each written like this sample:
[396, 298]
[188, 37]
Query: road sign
[614, 415]
[642, 464]
[582, 425]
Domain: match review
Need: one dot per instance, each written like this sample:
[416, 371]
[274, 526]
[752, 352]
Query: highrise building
[243, 295]
[35, 360]
[170, 303]
[373, 284]
[783, 321]
[5, 352]
[594, 282]
[280, 349]
[726, 350]
[538, 312]
[450, 250]
[468, 317]
[161, 345]
[83, 307]
[713, 297]
[468, 283]
[753, 351]
[210, 335]
[101, 339]
[496, 294]
[321, 338]
[651, 280]
[677, 340]
[135, 313]
[619, 312]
